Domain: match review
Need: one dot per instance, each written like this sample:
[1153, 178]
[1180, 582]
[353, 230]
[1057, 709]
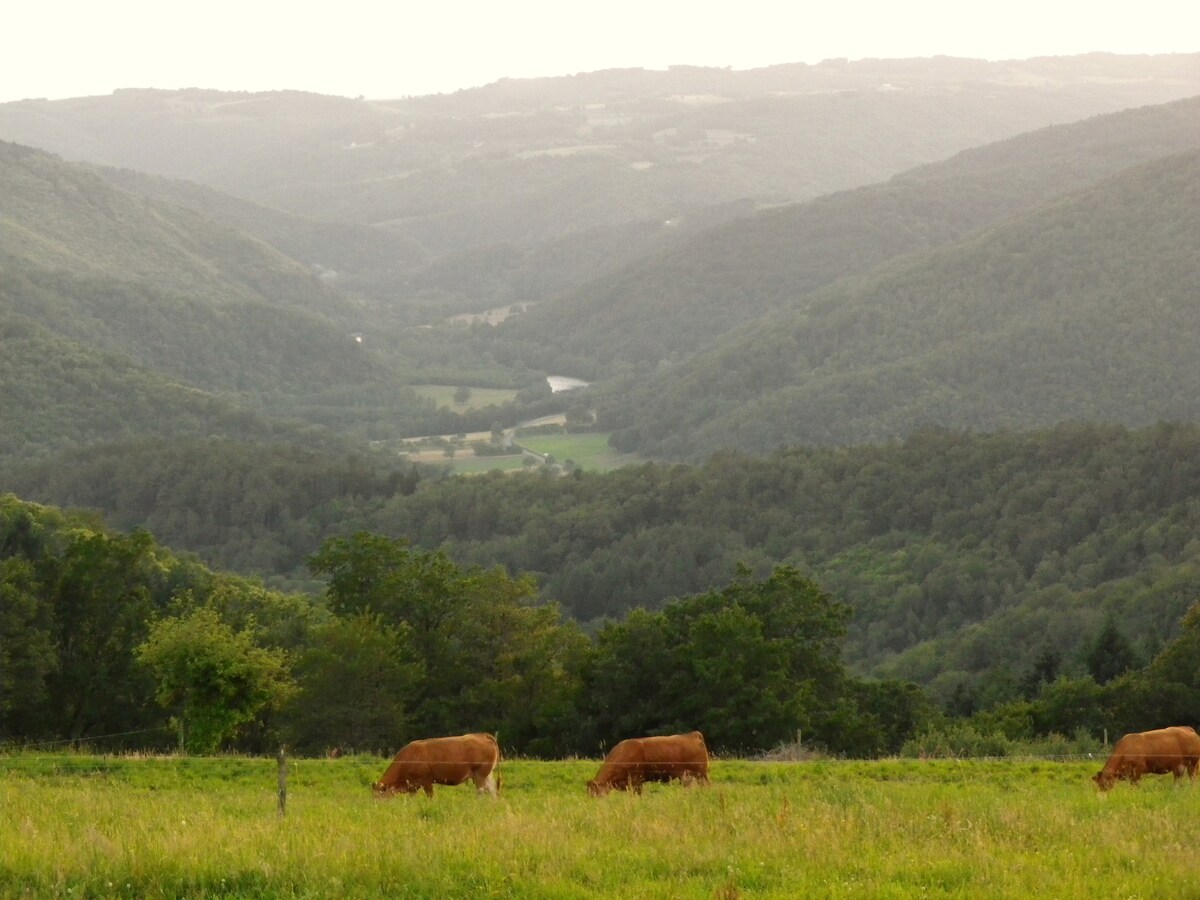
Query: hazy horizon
[76, 50]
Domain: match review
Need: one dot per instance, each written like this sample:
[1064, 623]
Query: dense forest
[106, 634]
[111, 639]
[675, 301]
[924, 449]
[961, 555]
[1083, 310]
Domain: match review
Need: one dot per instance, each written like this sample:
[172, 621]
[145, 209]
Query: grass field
[79, 826]
[481, 397]
[589, 450]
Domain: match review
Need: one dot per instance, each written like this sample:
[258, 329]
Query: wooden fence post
[282, 760]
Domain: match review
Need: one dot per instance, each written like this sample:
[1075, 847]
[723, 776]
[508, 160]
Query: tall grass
[168, 827]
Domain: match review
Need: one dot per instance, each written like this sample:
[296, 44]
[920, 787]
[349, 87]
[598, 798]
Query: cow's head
[383, 789]
[1104, 780]
[598, 788]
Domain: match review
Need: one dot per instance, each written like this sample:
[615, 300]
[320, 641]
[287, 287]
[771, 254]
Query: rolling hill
[673, 303]
[61, 396]
[146, 296]
[525, 163]
[1083, 310]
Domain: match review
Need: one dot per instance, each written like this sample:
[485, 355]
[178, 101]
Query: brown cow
[445, 760]
[1173, 750]
[637, 760]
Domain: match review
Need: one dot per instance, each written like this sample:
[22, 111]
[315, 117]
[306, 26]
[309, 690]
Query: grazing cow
[444, 760]
[1173, 750]
[637, 760]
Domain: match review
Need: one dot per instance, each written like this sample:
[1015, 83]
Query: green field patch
[589, 451]
[170, 826]
[480, 397]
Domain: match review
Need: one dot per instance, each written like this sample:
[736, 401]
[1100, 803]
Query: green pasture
[85, 826]
[589, 450]
[481, 397]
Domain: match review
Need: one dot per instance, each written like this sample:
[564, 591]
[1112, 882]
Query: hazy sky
[392, 49]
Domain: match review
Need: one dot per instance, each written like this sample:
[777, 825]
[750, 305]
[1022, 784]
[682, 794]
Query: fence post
[282, 760]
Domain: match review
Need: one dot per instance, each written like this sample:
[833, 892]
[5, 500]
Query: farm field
[480, 398]
[86, 826]
[589, 450]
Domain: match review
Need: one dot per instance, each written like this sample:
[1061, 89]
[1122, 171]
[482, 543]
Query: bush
[956, 741]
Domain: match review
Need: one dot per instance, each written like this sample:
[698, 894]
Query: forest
[963, 556]
[112, 640]
[903, 352]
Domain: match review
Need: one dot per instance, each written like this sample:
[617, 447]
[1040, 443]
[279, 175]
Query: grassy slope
[209, 827]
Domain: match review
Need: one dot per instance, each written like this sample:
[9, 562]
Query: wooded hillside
[1084, 310]
[673, 303]
[959, 554]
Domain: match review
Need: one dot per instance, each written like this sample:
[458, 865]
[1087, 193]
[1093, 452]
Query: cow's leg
[485, 784]
[427, 787]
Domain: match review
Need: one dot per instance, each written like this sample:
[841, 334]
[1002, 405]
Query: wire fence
[25, 755]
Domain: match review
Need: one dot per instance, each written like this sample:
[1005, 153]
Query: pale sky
[392, 49]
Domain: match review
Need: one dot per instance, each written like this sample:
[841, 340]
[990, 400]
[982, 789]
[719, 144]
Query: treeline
[108, 638]
[106, 635]
[960, 554]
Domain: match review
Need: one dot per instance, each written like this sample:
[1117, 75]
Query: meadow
[588, 450]
[89, 826]
[480, 397]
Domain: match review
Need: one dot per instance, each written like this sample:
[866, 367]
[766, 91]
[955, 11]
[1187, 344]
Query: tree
[357, 683]
[462, 394]
[747, 665]
[1110, 653]
[490, 657]
[1045, 669]
[102, 589]
[373, 573]
[26, 650]
[1068, 704]
[215, 679]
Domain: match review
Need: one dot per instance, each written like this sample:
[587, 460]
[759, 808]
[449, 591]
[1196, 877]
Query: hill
[672, 303]
[1083, 310]
[60, 396]
[359, 260]
[522, 163]
[190, 304]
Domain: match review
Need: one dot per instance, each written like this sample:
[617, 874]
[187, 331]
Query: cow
[1164, 751]
[635, 761]
[444, 760]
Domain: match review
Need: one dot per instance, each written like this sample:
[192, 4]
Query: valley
[920, 330]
